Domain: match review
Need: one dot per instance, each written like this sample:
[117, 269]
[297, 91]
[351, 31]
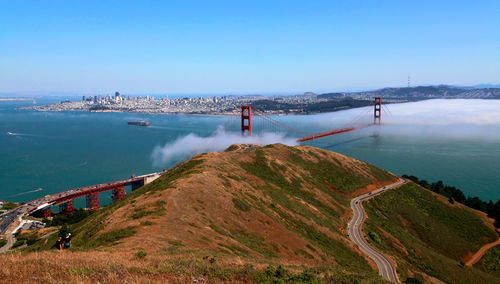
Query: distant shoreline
[281, 113]
[16, 99]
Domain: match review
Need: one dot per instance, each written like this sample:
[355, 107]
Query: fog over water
[457, 141]
[163, 155]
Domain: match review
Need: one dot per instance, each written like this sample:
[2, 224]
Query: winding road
[10, 241]
[385, 267]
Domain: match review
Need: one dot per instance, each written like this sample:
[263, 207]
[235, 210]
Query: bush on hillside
[454, 194]
[374, 237]
[70, 218]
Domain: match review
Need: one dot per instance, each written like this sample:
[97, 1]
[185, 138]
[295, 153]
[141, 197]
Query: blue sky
[210, 47]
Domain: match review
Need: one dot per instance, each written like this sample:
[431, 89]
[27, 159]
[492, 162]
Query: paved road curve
[385, 267]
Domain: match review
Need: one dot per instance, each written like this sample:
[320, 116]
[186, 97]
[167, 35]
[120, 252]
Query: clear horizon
[78, 95]
[217, 47]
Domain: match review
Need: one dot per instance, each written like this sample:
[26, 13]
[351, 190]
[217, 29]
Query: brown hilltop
[248, 201]
[245, 205]
[222, 205]
[232, 215]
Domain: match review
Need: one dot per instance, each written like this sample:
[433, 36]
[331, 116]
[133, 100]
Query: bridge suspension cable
[279, 124]
[350, 126]
[387, 110]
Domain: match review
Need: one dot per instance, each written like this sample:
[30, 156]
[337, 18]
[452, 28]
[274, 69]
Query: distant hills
[329, 102]
[478, 91]
[421, 93]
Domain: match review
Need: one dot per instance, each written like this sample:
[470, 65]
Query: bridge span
[65, 199]
[10, 220]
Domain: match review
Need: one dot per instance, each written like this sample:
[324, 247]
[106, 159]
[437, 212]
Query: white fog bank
[170, 152]
[431, 119]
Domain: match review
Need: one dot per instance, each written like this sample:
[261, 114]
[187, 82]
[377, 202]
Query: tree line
[456, 195]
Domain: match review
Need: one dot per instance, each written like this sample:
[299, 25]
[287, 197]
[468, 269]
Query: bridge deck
[329, 133]
[9, 218]
[324, 134]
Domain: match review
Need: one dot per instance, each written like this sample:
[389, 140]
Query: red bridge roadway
[8, 219]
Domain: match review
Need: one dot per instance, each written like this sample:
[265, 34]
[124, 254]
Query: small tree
[413, 281]
[64, 231]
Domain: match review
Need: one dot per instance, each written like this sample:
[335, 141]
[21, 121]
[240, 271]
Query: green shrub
[241, 205]
[281, 275]
[412, 281]
[70, 218]
[19, 243]
[9, 205]
[140, 212]
[146, 223]
[374, 237]
[64, 231]
[112, 237]
[141, 254]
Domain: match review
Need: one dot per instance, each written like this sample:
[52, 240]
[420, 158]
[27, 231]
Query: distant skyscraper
[117, 94]
[84, 98]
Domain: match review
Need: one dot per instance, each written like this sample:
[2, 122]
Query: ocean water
[57, 151]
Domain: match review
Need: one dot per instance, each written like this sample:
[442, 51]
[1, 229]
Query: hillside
[251, 214]
[428, 236]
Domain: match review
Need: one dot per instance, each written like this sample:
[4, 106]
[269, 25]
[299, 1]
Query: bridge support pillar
[93, 201]
[246, 119]
[118, 193]
[377, 110]
[137, 184]
[67, 207]
[47, 213]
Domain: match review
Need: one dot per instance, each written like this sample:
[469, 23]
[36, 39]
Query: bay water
[47, 152]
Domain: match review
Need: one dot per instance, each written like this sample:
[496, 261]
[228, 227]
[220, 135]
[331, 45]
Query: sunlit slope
[228, 215]
[428, 236]
[275, 204]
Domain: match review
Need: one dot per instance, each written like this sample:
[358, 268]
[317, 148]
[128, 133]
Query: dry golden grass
[68, 266]
[83, 267]
[292, 219]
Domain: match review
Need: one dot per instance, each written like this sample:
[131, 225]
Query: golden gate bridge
[65, 199]
[248, 118]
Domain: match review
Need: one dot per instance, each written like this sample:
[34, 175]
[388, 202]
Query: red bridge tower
[118, 193]
[246, 115]
[93, 201]
[67, 207]
[377, 111]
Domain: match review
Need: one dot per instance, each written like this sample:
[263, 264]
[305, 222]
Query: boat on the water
[139, 123]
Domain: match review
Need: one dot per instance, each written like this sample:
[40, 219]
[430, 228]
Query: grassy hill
[255, 214]
[490, 262]
[428, 236]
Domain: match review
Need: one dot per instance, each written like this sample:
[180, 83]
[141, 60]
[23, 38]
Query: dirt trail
[479, 254]
[10, 241]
